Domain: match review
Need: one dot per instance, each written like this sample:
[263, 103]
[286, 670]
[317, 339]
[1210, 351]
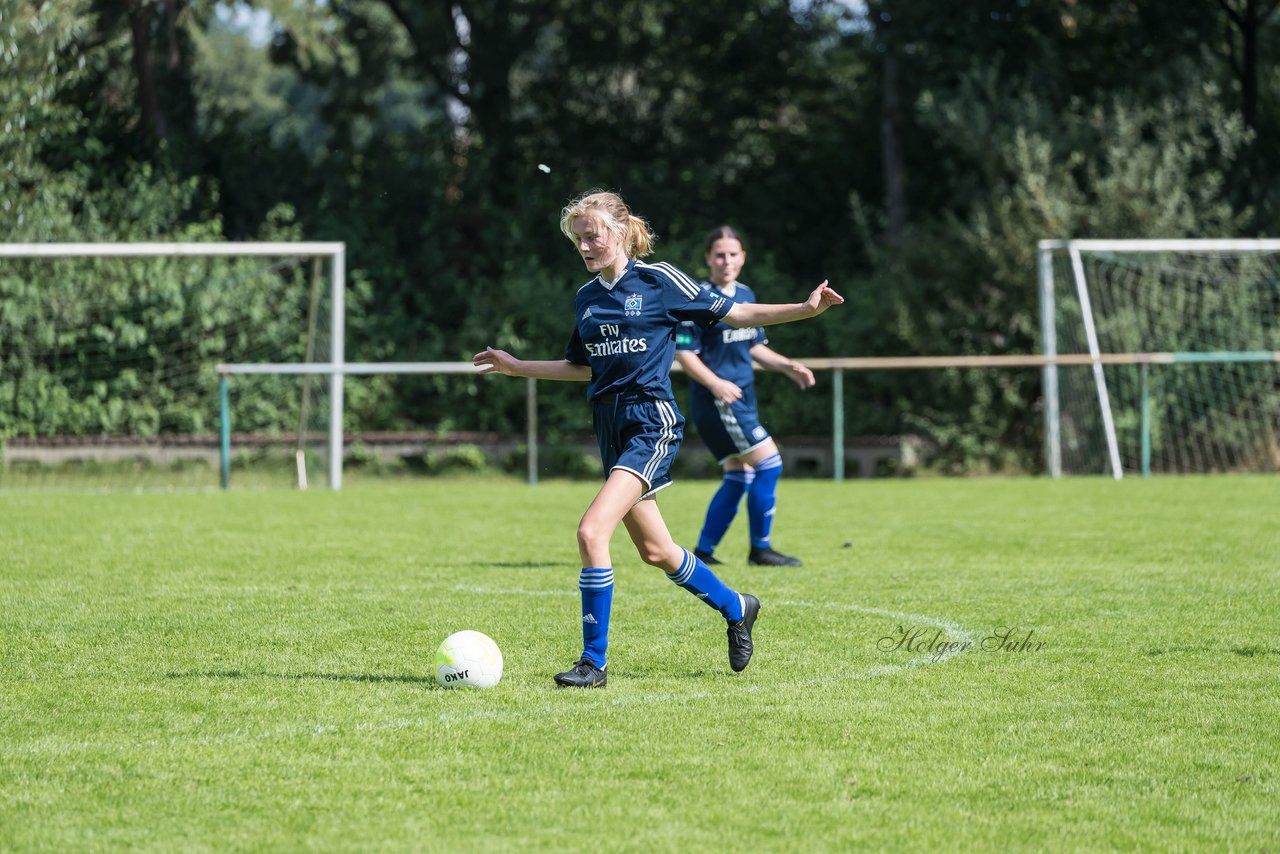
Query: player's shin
[596, 586]
[762, 500]
[723, 507]
[696, 577]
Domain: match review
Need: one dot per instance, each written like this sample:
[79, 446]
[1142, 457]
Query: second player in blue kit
[722, 402]
[623, 345]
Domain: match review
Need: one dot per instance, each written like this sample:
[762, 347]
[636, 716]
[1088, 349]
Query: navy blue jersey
[722, 348]
[626, 331]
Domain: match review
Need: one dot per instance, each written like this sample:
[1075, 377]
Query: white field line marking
[513, 591]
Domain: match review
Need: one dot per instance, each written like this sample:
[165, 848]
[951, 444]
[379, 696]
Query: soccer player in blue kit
[722, 402]
[623, 345]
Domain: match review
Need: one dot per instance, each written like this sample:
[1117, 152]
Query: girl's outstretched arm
[770, 314]
[491, 361]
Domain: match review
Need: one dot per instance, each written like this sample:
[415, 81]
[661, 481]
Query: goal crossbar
[140, 250]
[1168, 245]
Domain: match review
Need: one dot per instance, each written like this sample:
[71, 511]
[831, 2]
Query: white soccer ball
[468, 659]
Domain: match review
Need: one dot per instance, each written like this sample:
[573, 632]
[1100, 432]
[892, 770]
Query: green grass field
[252, 671]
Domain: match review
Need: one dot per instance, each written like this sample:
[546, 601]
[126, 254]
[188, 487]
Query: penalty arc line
[965, 639]
[664, 697]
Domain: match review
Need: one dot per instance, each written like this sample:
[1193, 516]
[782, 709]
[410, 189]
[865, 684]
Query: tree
[1244, 22]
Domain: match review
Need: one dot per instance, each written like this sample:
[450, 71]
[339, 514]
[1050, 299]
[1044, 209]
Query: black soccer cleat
[584, 674]
[768, 557]
[740, 646]
[707, 558]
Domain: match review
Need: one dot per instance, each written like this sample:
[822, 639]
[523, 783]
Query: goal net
[108, 356]
[1182, 374]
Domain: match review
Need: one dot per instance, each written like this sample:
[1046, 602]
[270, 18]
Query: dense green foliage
[912, 152]
[252, 671]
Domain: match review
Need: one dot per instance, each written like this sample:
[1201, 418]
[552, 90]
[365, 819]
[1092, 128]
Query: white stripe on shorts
[732, 427]
[668, 436]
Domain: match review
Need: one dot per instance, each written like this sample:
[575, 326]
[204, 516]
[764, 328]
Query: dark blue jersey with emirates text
[723, 348]
[626, 331]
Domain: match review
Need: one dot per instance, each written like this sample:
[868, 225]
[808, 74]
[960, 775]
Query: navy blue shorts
[729, 429]
[639, 434]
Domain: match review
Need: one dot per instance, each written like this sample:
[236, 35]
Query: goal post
[113, 345]
[1209, 308]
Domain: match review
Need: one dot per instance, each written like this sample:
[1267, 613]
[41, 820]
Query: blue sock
[762, 500]
[696, 577]
[723, 507]
[596, 586]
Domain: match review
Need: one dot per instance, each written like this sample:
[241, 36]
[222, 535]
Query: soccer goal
[109, 354]
[1183, 346]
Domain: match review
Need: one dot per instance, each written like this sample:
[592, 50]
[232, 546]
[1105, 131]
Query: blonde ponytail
[640, 238]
